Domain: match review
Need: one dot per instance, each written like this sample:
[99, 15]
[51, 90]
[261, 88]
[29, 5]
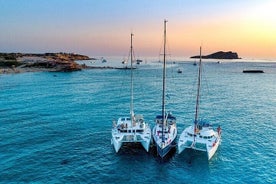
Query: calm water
[56, 127]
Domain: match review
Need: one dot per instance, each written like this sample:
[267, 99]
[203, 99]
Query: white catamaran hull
[139, 132]
[118, 140]
[206, 140]
[117, 144]
[212, 149]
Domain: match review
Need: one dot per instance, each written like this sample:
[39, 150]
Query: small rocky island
[220, 55]
[27, 62]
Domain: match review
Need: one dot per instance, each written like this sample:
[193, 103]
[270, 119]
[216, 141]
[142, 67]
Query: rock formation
[220, 55]
[48, 61]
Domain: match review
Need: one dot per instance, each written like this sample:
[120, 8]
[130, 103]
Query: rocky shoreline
[28, 62]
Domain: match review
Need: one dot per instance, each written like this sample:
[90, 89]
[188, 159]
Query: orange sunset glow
[100, 28]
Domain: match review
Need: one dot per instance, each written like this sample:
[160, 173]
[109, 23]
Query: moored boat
[132, 129]
[126, 130]
[200, 136]
[253, 71]
[165, 129]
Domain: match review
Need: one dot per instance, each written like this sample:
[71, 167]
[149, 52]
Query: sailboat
[200, 136]
[133, 128]
[165, 130]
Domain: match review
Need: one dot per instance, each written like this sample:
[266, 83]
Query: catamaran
[200, 136]
[165, 130]
[133, 128]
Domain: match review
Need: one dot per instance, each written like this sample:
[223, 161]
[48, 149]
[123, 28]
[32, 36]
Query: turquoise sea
[56, 127]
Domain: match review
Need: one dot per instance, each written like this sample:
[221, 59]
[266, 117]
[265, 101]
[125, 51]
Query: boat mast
[198, 93]
[131, 79]
[164, 83]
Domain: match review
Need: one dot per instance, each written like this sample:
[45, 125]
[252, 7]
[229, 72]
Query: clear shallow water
[56, 127]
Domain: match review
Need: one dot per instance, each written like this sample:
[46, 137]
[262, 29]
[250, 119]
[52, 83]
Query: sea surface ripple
[56, 127]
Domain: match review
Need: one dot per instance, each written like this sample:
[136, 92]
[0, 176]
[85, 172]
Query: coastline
[11, 63]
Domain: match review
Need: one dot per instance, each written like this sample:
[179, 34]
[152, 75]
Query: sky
[103, 27]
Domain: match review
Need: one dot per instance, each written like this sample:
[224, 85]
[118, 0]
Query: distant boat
[165, 130]
[131, 129]
[253, 71]
[104, 60]
[138, 61]
[200, 136]
[194, 63]
[179, 71]
[125, 67]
